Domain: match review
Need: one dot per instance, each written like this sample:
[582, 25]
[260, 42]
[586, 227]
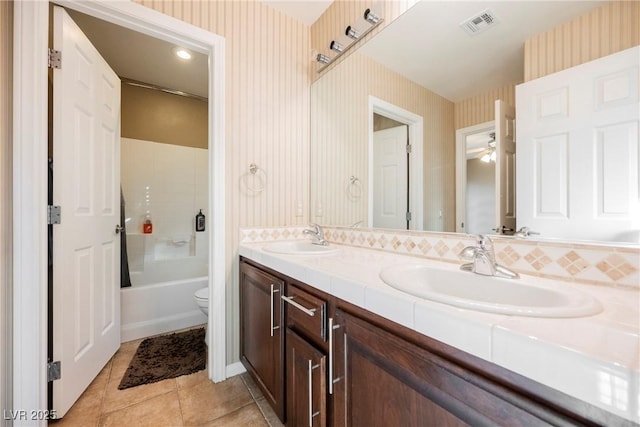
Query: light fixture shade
[371, 17]
[323, 59]
[486, 158]
[336, 46]
[352, 33]
[493, 156]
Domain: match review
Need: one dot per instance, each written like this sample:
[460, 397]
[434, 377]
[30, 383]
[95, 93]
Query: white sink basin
[490, 294]
[299, 248]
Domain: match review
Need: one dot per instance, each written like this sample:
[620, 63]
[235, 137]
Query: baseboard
[134, 331]
[235, 369]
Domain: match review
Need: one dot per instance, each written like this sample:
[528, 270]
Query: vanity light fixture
[335, 46]
[371, 17]
[369, 21]
[323, 59]
[352, 33]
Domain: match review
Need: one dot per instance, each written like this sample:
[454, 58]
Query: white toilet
[201, 297]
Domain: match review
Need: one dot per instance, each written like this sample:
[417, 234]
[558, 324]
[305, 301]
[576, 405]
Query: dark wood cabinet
[261, 335]
[306, 383]
[348, 367]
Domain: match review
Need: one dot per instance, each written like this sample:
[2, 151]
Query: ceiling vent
[479, 23]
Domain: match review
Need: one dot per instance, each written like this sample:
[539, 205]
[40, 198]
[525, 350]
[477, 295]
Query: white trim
[235, 369]
[29, 206]
[31, 26]
[461, 169]
[416, 161]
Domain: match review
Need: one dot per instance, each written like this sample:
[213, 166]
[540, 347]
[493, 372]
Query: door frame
[30, 151]
[416, 161]
[461, 168]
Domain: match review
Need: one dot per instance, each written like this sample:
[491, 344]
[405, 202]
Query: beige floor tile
[160, 411]
[251, 385]
[120, 361]
[207, 401]
[115, 399]
[186, 381]
[268, 412]
[247, 416]
[86, 410]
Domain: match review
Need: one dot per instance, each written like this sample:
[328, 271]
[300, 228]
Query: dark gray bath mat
[166, 356]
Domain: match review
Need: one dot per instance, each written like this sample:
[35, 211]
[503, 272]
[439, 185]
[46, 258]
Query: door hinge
[408, 148]
[54, 371]
[408, 216]
[54, 214]
[55, 59]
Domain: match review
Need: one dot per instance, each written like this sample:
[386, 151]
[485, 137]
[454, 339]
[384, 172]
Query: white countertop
[595, 358]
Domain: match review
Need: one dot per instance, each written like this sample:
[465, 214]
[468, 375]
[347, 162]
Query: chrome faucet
[317, 233]
[483, 259]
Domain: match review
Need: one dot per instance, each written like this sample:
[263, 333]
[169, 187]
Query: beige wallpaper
[480, 108]
[267, 119]
[603, 31]
[6, 64]
[153, 115]
[340, 138]
[342, 13]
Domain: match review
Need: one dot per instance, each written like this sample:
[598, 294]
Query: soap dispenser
[200, 221]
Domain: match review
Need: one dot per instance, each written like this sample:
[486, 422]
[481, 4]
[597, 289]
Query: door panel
[86, 181]
[390, 178]
[505, 167]
[578, 151]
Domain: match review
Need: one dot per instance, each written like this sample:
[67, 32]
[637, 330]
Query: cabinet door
[261, 338]
[375, 388]
[387, 381]
[306, 383]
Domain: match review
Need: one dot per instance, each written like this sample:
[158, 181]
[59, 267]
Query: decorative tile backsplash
[576, 262]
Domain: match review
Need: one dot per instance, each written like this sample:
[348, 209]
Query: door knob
[119, 228]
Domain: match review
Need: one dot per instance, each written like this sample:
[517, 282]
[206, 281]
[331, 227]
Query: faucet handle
[483, 242]
[468, 253]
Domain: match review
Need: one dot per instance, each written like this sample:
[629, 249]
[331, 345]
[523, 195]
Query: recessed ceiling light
[182, 53]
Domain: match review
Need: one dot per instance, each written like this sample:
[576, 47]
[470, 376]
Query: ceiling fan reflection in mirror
[482, 146]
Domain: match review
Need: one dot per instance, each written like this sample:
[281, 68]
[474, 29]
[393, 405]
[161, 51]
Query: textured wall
[267, 120]
[481, 108]
[340, 138]
[6, 64]
[603, 31]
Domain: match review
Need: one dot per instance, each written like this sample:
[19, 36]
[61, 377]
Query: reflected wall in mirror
[342, 135]
[431, 68]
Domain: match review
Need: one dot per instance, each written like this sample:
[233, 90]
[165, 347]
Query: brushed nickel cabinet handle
[332, 381]
[273, 291]
[310, 373]
[309, 311]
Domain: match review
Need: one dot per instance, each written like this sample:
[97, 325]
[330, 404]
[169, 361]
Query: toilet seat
[202, 294]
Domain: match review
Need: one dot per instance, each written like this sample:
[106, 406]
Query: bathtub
[161, 298]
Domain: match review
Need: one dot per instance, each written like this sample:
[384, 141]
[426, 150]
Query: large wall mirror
[384, 121]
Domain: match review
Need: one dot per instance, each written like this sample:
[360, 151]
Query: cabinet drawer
[306, 313]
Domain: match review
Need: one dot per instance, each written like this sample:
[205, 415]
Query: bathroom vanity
[329, 344]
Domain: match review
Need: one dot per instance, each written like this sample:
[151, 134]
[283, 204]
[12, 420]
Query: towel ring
[354, 188]
[257, 174]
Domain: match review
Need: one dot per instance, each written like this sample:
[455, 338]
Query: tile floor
[190, 400]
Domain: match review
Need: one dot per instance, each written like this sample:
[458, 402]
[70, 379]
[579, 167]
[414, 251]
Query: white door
[505, 168]
[578, 151]
[86, 247]
[390, 178]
